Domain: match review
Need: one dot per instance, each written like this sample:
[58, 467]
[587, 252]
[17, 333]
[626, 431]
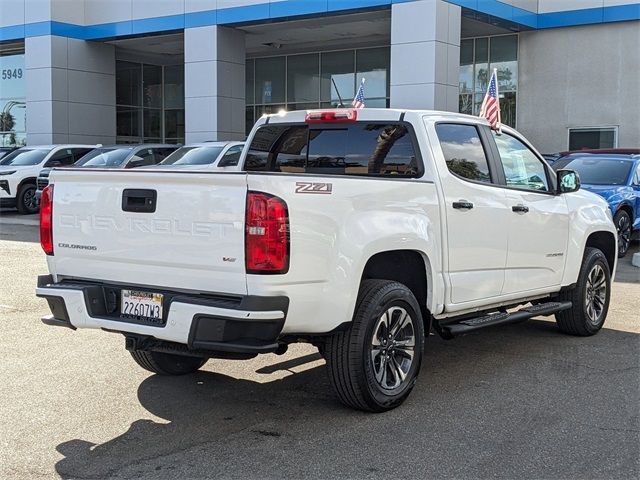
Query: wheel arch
[627, 208]
[25, 181]
[409, 267]
[606, 243]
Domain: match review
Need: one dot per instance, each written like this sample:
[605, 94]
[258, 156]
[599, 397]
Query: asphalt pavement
[522, 401]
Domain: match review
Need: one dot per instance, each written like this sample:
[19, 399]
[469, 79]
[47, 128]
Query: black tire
[26, 202]
[352, 368]
[167, 363]
[580, 319]
[622, 221]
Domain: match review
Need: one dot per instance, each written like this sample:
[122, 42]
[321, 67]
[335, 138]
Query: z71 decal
[317, 188]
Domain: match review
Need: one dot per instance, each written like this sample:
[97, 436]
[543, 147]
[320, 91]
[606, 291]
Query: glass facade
[13, 103]
[149, 103]
[315, 80]
[478, 58]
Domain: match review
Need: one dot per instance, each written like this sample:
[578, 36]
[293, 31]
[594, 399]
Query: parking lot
[522, 401]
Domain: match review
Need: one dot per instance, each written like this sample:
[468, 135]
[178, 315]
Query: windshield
[104, 157]
[25, 156]
[193, 156]
[598, 171]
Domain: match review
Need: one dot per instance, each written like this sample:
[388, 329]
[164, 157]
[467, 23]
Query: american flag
[358, 101]
[491, 104]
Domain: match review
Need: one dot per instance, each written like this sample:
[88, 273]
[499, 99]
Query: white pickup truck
[358, 231]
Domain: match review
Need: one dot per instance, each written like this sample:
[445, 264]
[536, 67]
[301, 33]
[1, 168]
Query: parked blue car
[616, 178]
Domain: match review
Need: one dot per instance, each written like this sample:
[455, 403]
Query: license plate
[141, 304]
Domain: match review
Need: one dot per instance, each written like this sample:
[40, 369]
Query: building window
[315, 80]
[13, 102]
[478, 58]
[149, 103]
[596, 137]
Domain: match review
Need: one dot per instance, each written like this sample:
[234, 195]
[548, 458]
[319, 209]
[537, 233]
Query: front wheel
[167, 363]
[590, 297]
[26, 201]
[622, 221]
[374, 365]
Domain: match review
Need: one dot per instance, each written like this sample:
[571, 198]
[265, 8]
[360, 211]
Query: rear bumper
[200, 321]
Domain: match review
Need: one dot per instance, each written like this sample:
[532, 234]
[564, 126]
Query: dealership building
[181, 71]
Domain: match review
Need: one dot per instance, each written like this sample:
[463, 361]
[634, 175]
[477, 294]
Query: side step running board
[470, 324]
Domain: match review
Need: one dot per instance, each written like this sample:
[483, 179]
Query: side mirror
[54, 163]
[568, 181]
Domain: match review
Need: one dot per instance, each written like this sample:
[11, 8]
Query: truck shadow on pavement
[517, 401]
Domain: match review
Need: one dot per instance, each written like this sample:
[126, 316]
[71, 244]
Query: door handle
[462, 205]
[139, 200]
[520, 208]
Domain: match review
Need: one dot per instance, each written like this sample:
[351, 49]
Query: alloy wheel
[392, 348]
[624, 234]
[29, 200]
[596, 294]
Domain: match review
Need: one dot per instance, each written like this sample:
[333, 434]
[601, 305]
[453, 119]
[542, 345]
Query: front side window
[143, 158]
[193, 156]
[104, 157]
[463, 151]
[522, 168]
[372, 149]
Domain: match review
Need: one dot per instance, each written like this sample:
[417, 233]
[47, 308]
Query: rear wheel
[166, 363]
[26, 202]
[374, 365]
[590, 297]
[622, 221]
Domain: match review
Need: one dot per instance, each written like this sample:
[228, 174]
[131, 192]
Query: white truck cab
[20, 168]
[356, 230]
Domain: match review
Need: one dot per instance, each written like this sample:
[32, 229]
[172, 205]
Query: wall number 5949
[10, 74]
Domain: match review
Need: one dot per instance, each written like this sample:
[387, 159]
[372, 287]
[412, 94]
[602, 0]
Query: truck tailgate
[104, 228]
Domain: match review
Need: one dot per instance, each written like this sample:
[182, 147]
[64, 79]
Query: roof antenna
[340, 105]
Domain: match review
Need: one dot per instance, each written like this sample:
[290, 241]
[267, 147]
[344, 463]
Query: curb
[635, 260]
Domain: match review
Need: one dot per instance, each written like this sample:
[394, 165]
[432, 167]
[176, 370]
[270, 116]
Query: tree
[7, 122]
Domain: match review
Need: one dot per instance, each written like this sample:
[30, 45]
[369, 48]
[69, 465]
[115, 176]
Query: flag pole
[495, 72]
[340, 105]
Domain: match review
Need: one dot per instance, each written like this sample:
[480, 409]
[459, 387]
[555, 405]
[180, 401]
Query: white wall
[425, 55]
[70, 91]
[214, 84]
[583, 76]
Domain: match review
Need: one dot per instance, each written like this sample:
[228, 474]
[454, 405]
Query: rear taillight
[331, 116]
[266, 234]
[46, 220]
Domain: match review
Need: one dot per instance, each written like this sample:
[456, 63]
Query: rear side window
[463, 151]
[370, 149]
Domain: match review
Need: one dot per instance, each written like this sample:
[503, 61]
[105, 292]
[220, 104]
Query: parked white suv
[356, 230]
[20, 168]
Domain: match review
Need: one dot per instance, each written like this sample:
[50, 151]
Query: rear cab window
[378, 149]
